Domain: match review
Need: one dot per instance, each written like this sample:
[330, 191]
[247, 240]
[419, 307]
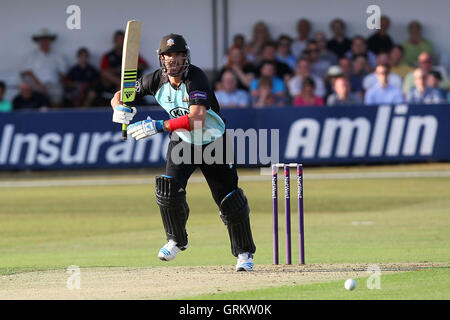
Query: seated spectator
[417, 93]
[111, 62]
[433, 93]
[268, 70]
[318, 67]
[5, 106]
[307, 96]
[303, 71]
[44, 69]
[263, 96]
[237, 63]
[82, 81]
[238, 42]
[342, 95]
[299, 44]
[261, 36]
[339, 44]
[383, 92]
[324, 53]
[425, 63]
[416, 44]
[396, 62]
[29, 99]
[359, 47]
[380, 41]
[346, 66]
[372, 79]
[282, 70]
[283, 53]
[360, 69]
[333, 73]
[230, 96]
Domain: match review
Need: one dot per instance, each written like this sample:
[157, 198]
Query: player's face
[174, 62]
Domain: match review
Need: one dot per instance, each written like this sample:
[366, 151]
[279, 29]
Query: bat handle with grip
[124, 131]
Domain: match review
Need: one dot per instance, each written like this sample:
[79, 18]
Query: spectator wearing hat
[111, 62]
[303, 71]
[383, 92]
[5, 106]
[29, 99]
[333, 73]
[230, 96]
[380, 41]
[299, 44]
[307, 97]
[342, 95]
[82, 81]
[44, 69]
[339, 44]
[416, 44]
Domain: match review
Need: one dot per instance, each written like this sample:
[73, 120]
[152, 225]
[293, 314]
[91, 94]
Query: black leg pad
[171, 198]
[234, 212]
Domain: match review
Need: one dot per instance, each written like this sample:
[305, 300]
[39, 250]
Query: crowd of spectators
[47, 82]
[311, 70]
[304, 70]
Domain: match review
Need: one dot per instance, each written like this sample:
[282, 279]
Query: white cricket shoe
[170, 251]
[245, 262]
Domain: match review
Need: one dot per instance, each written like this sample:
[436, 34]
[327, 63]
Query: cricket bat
[130, 56]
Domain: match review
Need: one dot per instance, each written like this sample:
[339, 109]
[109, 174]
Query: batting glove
[123, 114]
[146, 128]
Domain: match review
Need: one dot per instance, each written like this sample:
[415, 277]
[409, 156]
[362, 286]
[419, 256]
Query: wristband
[159, 125]
[180, 123]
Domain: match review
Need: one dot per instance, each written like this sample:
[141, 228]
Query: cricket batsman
[183, 90]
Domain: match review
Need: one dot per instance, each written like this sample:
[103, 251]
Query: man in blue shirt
[383, 92]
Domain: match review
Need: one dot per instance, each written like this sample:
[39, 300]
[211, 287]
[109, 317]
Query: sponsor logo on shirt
[178, 112]
[197, 95]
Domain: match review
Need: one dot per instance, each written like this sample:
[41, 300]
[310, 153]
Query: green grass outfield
[423, 284]
[346, 221]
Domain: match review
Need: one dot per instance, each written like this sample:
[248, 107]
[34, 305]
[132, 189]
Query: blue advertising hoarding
[309, 135]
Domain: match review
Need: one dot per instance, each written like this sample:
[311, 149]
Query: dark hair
[118, 33]
[399, 47]
[82, 50]
[303, 19]
[268, 62]
[435, 74]
[414, 22]
[338, 20]
[284, 37]
[2, 85]
[239, 36]
[360, 37]
[270, 44]
[308, 81]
